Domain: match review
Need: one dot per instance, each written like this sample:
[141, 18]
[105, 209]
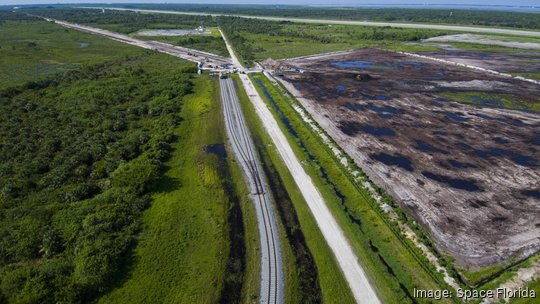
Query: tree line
[446, 16]
[78, 154]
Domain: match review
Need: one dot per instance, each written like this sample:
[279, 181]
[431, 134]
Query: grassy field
[260, 39]
[494, 100]
[269, 46]
[212, 43]
[32, 49]
[295, 40]
[376, 244]
[534, 285]
[333, 286]
[480, 47]
[183, 247]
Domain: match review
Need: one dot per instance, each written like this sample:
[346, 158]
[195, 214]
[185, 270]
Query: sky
[312, 2]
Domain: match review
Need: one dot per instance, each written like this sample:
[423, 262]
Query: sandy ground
[486, 40]
[468, 174]
[509, 62]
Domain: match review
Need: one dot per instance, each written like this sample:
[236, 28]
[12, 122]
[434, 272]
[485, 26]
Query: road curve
[271, 283]
[460, 28]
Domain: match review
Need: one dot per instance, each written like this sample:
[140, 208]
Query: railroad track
[243, 148]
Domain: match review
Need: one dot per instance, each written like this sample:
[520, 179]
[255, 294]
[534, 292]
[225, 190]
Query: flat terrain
[505, 60]
[211, 43]
[462, 171]
[244, 150]
[182, 250]
[350, 22]
[30, 50]
[513, 42]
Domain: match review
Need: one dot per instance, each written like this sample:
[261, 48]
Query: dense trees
[78, 152]
[450, 16]
[125, 21]
[251, 37]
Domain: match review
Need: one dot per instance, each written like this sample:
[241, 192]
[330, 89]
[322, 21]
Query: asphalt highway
[460, 28]
[271, 291]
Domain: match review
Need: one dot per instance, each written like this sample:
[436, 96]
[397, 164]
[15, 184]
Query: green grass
[30, 50]
[266, 39]
[409, 269]
[535, 76]
[495, 100]
[411, 47]
[493, 276]
[336, 38]
[534, 285]
[183, 247]
[481, 47]
[333, 285]
[206, 43]
[511, 38]
[279, 47]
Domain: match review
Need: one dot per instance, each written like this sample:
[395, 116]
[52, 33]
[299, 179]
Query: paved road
[211, 60]
[272, 285]
[351, 22]
[347, 260]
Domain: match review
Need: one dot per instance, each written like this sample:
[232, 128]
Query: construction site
[466, 171]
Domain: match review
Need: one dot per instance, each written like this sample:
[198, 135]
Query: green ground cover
[535, 76]
[124, 21]
[495, 100]
[206, 43]
[534, 285]
[409, 15]
[183, 247]
[333, 286]
[260, 39]
[394, 275]
[33, 49]
[511, 38]
[80, 151]
[480, 47]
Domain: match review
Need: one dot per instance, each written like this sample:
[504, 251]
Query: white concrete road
[355, 276]
[184, 53]
[271, 283]
[460, 28]
[485, 40]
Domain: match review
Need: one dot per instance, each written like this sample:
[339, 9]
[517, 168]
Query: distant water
[510, 8]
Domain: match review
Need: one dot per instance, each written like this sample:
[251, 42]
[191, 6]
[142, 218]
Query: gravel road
[355, 276]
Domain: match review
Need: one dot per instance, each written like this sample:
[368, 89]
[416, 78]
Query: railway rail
[271, 290]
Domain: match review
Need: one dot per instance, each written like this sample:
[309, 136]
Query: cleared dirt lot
[516, 61]
[468, 174]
